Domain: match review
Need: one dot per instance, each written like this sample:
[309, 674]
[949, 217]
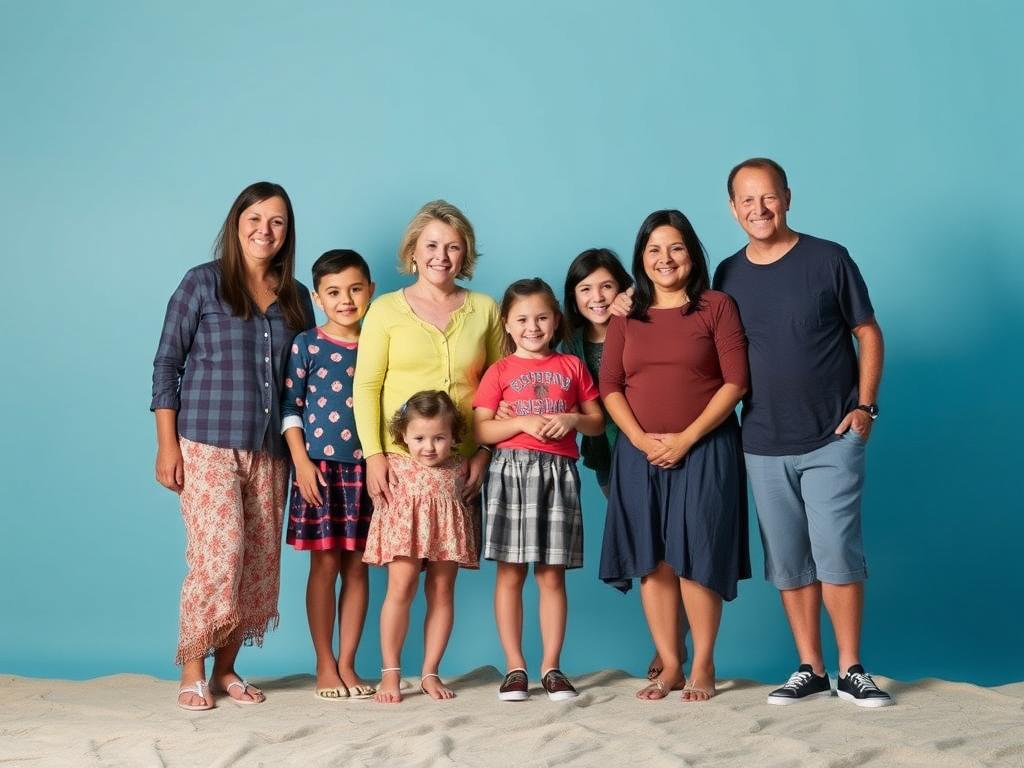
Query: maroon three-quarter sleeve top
[669, 368]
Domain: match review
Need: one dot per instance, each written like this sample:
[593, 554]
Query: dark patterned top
[318, 396]
[222, 374]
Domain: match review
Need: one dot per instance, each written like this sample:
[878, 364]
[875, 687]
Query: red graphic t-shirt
[555, 384]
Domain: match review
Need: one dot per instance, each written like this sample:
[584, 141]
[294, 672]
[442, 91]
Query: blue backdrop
[127, 131]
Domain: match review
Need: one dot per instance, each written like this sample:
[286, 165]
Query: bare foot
[431, 685]
[388, 692]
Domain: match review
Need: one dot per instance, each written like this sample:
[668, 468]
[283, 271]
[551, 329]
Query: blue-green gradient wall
[128, 129]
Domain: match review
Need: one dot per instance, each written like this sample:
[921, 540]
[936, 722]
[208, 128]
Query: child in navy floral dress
[330, 510]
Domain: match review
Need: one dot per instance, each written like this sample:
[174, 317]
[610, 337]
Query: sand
[131, 720]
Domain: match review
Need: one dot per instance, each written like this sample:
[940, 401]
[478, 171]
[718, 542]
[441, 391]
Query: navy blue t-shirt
[798, 313]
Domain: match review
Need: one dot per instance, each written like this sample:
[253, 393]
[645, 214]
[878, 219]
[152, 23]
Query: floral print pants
[232, 505]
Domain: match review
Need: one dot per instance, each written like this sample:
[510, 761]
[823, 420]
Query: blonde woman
[432, 334]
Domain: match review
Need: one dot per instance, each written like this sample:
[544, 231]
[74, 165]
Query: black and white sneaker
[515, 686]
[859, 688]
[802, 685]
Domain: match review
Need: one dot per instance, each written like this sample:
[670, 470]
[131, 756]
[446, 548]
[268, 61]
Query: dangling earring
[414, 266]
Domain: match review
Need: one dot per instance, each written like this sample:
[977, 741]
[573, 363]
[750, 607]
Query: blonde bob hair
[438, 210]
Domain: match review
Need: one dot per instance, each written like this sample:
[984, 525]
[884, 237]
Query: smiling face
[532, 323]
[759, 203]
[439, 253]
[594, 296]
[429, 440]
[262, 228]
[666, 261]
[344, 297]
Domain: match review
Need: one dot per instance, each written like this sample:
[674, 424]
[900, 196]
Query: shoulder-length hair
[228, 252]
[521, 289]
[583, 265]
[698, 280]
[443, 211]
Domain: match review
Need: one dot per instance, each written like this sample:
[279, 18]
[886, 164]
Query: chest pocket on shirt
[828, 309]
[806, 312]
[819, 312]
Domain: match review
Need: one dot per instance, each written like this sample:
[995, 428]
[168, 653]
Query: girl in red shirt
[531, 500]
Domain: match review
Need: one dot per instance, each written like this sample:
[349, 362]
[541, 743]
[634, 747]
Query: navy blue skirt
[692, 516]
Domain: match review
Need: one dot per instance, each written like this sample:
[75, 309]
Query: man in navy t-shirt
[806, 421]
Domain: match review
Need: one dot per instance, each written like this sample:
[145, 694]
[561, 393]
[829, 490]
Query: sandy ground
[131, 720]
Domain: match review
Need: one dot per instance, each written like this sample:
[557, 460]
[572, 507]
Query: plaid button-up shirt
[223, 375]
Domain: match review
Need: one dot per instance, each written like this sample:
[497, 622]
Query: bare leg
[437, 625]
[655, 667]
[192, 671]
[355, 594]
[223, 674]
[553, 607]
[704, 610]
[508, 612]
[803, 609]
[320, 610]
[845, 606]
[403, 580]
[659, 592]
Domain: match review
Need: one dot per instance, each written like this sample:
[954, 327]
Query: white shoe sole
[514, 696]
[562, 696]
[785, 700]
[873, 703]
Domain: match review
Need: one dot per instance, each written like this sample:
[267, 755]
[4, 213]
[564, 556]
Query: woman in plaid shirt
[217, 376]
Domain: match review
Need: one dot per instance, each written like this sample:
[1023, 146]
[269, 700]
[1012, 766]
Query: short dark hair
[520, 289]
[426, 405]
[338, 260]
[583, 265]
[698, 280]
[765, 163]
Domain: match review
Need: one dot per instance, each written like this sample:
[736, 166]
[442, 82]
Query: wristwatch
[871, 409]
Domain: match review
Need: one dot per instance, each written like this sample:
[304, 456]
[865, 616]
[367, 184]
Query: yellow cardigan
[400, 355]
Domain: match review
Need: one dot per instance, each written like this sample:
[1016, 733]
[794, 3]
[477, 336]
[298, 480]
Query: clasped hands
[547, 427]
[664, 449]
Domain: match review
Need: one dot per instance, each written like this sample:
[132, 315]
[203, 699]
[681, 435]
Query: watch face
[871, 410]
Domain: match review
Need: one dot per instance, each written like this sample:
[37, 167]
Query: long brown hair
[228, 252]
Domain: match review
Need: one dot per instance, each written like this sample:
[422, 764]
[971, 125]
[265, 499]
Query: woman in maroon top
[671, 375]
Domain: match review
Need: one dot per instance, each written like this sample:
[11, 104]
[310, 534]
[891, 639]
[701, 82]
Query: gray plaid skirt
[532, 509]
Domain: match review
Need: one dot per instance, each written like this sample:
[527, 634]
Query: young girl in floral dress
[425, 527]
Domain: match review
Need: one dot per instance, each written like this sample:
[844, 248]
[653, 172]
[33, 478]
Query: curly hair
[427, 404]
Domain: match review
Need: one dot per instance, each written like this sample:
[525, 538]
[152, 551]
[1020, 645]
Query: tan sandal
[691, 688]
[362, 691]
[655, 686]
[338, 693]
